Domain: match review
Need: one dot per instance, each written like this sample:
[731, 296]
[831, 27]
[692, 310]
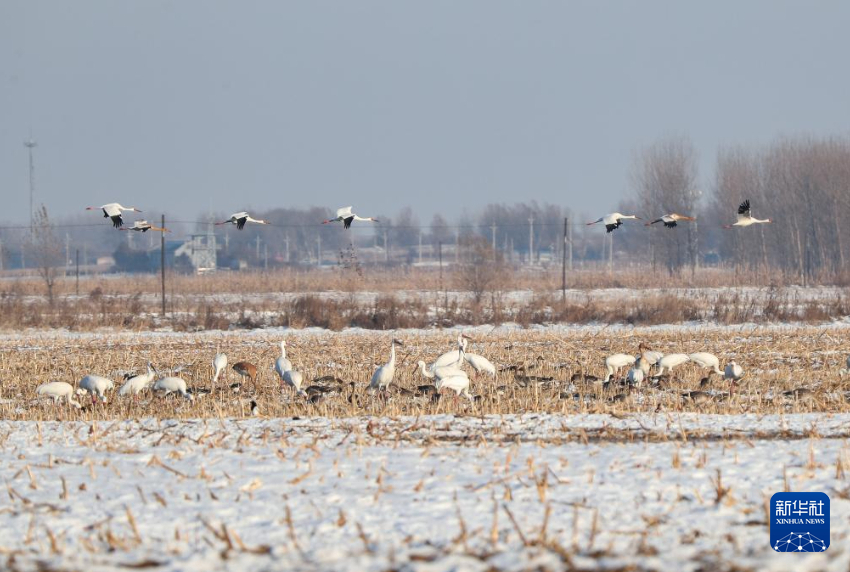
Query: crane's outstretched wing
[744, 209]
[613, 227]
[117, 221]
[343, 213]
[240, 222]
[346, 222]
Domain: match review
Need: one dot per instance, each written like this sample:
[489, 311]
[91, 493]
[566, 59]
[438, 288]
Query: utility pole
[77, 256]
[386, 248]
[531, 240]
[286, 240]
[420, 247]
[67, 250]
[493, 236]
[31, 144]
[611, 253]
[162, 262]
[266, 256]
[570, 233]
[258, 249]
[457, 245]
[226, 241]
[564, 265]
[319, 257]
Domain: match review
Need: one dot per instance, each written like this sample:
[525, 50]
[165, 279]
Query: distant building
[200, 249]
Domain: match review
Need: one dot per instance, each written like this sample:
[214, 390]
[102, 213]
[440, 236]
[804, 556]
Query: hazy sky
[189, 105]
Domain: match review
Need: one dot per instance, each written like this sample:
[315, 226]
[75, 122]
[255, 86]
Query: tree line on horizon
[801, 183]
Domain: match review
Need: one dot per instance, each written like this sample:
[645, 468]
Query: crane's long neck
[424, 370]
[392, 355]
[367, 219]
[283, 350]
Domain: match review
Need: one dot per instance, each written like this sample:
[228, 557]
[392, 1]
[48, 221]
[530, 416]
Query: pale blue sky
[185, 105]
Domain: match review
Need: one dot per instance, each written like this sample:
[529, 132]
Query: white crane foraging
[138, 383]
[383, 376]
[616, 362]
[668, 362]
[239, 219]
[58, 390]
[113, 211]
[706, 360]
[671, 219]
[345, 216]
[745, 217]
[168, 385]
[613, 221]
[96, 386]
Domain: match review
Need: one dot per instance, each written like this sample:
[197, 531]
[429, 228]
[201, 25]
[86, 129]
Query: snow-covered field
[545, 492]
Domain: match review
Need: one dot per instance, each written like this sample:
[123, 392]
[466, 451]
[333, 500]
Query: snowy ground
[662, 492]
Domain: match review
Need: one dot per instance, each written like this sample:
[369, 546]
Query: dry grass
[776, 360]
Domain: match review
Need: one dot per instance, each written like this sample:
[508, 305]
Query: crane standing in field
[613, 221]
[219, 365]
[113, 211]
[345, 216]
[138, 383]
[383, 376]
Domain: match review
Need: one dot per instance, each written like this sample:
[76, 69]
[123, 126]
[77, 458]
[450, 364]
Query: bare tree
[46, 250]
[481, 269]
[664, 178]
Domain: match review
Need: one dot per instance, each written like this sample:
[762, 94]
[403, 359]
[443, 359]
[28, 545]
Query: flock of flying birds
[612, 221]
[113, 211]
[445, 374]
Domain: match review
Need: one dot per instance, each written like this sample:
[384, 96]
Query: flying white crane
[613, 221]
[96, 386]
[219, 365]
[668, 362]
[58, 390]
[383, 376]
[745, 218]
[671, 219]
[346, 216]
[706, 360]
[113, 211]
[138, 383]
[616, 362]
[144, 226]
[478, 363]
[173, 385]
[239, 219]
